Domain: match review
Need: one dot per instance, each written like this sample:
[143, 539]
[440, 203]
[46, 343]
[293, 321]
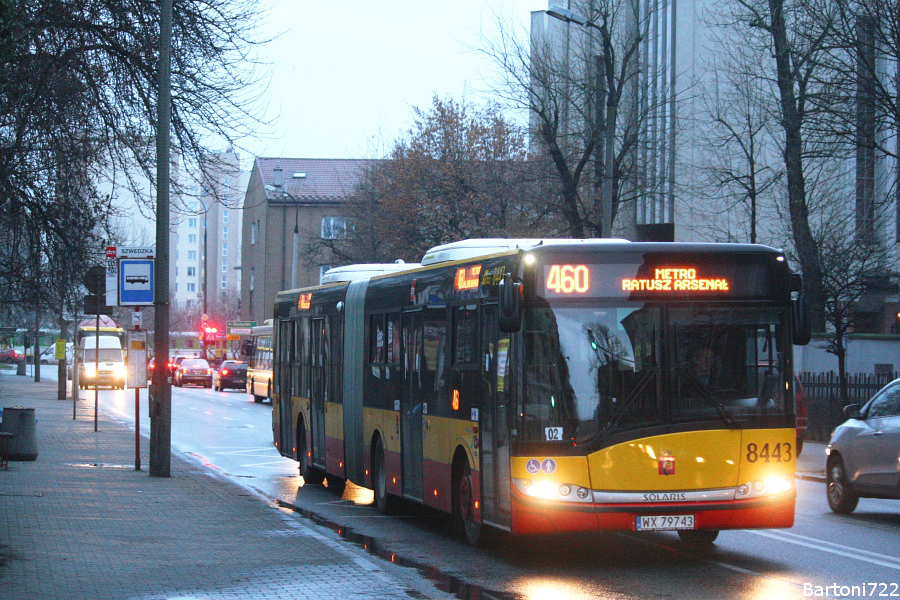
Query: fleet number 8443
[781, 452]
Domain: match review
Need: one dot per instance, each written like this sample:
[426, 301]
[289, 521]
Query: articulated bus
[257, 351]
[553, 385]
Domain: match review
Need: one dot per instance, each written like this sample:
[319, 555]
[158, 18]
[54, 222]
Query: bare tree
[738, 170]
[586, 103]
[797, 46]
[460, 172]
[78, 96]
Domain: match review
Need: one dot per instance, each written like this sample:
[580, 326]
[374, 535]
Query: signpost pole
[96, 368]
[137, 408]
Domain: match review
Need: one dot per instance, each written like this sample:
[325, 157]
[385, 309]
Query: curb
[810, 477]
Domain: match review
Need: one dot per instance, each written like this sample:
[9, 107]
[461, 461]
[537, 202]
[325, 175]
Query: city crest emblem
[666, 463]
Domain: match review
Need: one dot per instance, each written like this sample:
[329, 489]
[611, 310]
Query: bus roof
[364, 271]
[464, 249]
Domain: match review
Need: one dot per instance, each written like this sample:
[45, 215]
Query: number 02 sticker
[554, 434]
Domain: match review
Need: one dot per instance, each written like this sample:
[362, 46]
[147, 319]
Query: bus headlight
[552, 490]
[771, 486]
[778, 485]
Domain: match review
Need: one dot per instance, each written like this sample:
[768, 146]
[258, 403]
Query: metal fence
[823, 394]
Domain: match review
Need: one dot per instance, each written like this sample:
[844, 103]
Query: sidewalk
[80, 522]
[811, 462]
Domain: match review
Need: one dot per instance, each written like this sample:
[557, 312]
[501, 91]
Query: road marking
[832, 548]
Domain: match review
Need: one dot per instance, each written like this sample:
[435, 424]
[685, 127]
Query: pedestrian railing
[825, 409]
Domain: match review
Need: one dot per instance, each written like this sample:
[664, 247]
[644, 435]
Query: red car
[10, 356]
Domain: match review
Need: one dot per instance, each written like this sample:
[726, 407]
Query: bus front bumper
[533, 516]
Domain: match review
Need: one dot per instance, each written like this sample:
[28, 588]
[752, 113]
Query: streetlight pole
[608, 155]
[296, 248]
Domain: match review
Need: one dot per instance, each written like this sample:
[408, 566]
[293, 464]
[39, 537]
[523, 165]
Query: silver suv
[864, 452]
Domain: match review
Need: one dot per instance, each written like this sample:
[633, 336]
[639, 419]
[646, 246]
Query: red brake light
[224, 371]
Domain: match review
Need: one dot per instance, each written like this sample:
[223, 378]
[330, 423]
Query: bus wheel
[310, 474]
[698, 538]
[464, 505]
[385, 503]
[841, 498]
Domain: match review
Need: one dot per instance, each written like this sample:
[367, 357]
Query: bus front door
[494, 416]
[411, 404]
[283, 383]
[321, 365]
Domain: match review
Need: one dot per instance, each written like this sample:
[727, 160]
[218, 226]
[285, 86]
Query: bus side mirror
[802, 329]
[510, 293]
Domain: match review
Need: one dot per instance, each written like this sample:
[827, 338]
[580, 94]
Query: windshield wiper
[706, 396]
[629, 400]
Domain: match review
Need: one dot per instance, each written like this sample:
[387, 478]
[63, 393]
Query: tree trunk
[792, 117]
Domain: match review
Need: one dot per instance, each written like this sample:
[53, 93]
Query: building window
[192, 271]
[192, 287]
[224, 216]
[224, 281]
[252, 278]
[192, 222]
[192, 238]
[252, 233]
[190, 304]
[224, 249]
[225, 232]
[224, 267]
[334, 228]
[192, 255]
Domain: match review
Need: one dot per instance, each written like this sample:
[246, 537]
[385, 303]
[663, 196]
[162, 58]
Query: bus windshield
[595, 372]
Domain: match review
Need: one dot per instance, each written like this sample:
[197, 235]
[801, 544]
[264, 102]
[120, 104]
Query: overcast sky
[345, 74]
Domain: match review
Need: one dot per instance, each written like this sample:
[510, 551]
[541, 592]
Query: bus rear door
[412, 406]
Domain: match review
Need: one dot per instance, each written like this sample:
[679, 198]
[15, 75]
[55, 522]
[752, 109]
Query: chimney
[278, 176]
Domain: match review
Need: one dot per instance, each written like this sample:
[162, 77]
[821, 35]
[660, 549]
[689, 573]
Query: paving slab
[80, 522]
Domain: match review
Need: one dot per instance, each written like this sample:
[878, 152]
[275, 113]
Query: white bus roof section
[481, 247]
[365, 271]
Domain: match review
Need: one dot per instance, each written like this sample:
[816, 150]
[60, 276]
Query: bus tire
[309, 473]
[841, 498]
[464, 522]
[384, 502]
[698, 538]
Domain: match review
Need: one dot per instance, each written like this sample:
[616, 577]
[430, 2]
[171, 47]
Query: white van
[109, 370]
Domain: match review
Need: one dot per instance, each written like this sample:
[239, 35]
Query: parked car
[863, 452]
[193, 371]
[10, 356]
[232, 374]
[48, 354]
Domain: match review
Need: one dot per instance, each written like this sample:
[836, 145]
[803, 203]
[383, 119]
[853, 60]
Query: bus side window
[377, 340]
[434, 361]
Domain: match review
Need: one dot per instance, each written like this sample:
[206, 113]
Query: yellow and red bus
[257, 351]
[540, 386]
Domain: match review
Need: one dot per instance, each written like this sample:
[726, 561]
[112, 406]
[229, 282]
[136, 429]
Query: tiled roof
[325, 180]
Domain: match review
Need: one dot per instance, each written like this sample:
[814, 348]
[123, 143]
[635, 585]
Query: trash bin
[20, 368]
[20, 422]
